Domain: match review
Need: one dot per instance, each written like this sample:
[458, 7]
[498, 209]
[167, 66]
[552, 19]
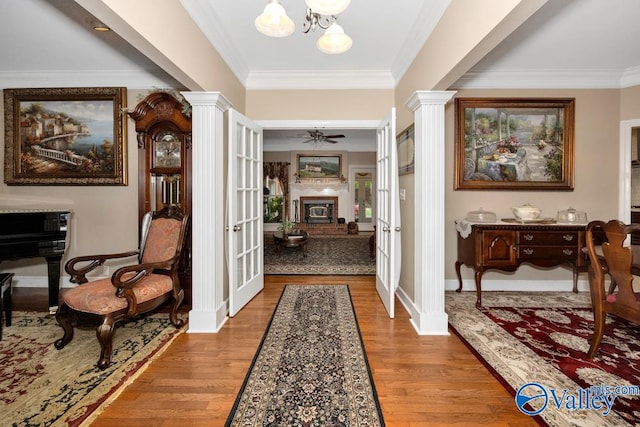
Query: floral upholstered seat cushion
[162, 240]
[99, 296]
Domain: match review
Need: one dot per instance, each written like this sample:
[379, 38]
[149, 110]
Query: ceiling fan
[316, 136]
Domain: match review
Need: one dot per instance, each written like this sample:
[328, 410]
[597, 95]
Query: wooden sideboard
[506, 246]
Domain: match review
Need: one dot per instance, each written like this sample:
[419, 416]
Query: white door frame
[363, 226]
[624, 192]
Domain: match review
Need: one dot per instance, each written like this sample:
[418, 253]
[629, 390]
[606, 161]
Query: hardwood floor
[420, 380]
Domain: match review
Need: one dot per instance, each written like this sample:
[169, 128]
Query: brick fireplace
[319, 215]
[322, 203]
[318, 209]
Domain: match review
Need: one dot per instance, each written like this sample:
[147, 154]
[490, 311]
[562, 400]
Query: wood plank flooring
[421, 380]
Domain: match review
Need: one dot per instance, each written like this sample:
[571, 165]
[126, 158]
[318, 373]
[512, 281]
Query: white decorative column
[428, 108]
[209, 310]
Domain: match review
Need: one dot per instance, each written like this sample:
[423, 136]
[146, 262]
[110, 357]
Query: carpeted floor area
[536, 344]
[40, 385]
[311, 368]
[326, 254]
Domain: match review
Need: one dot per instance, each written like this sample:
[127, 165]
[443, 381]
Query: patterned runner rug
[311, 368]
[40, 385]
[336, 255]
[543, 338]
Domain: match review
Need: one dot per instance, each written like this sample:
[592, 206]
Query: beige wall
[630, 103]
[104, 218]
[447, 54]
[319, 104]
[596, 173]
[169, 37]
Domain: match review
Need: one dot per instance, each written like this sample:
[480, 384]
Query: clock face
[167, 151]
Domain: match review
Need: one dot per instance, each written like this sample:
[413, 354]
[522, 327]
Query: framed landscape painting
[514, 144]
[319, 167]
[65, 136]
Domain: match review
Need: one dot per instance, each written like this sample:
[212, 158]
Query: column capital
[429, 97]
[215, 99]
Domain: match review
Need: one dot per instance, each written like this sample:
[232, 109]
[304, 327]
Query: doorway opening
[629, 129]
[323, 208]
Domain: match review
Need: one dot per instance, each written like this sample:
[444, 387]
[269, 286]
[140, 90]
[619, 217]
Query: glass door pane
[363, 197]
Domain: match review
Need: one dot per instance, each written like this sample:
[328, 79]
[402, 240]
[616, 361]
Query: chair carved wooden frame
[131, 290]
[615, 259]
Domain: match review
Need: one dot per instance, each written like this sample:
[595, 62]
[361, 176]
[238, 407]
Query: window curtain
[279, 170]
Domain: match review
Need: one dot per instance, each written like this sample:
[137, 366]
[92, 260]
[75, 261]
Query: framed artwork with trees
[514, 144]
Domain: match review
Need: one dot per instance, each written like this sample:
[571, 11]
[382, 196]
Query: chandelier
[274, 22]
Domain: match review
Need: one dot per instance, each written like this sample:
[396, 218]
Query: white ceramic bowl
[527, 212]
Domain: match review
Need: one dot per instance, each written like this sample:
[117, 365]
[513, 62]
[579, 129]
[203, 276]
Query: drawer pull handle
[528, 237]
[567, 251]
[528, 251]
[568, 237]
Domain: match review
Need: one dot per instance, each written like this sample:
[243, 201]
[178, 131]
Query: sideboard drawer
[561, 238]
[569, 253]
[505, 246]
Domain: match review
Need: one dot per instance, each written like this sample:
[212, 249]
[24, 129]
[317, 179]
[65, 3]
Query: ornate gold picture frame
[65, 136]
[514, 144]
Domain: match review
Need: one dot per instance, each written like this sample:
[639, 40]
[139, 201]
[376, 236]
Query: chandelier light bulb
[328, 7]
[334, 40]
[274, 22]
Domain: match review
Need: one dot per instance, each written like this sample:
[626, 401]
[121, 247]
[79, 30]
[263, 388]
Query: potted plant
[286, 226]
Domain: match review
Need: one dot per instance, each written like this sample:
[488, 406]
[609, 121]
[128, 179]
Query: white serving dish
[527, 212]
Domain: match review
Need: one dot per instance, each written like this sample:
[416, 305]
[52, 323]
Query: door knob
[237, 227]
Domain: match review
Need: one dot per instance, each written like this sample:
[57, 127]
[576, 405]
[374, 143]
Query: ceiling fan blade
[309, 140]
[329, 140]
[334, 136]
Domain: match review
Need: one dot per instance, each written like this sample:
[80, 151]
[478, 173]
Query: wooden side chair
[614, 258]
[132, 290]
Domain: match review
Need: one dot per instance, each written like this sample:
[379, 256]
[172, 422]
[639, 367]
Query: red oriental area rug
[42, 386]
[543, 339]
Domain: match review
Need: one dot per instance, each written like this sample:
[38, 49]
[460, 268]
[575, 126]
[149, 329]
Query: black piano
[33, 234]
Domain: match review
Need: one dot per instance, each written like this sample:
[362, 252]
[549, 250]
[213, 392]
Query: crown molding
[203, 15]
[548, 79]
[352, 79]
[429, 17]
[65, 78]
[630, 77]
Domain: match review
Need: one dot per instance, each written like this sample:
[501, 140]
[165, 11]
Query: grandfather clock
[164, 163]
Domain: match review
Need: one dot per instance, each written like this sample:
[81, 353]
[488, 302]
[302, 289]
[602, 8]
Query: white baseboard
[519, 285]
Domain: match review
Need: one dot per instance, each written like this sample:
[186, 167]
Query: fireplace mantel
[313, 186]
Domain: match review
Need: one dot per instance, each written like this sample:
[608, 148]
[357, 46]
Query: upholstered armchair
[608, 254]
[139, 288]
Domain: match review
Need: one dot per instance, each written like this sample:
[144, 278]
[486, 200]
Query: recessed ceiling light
[99, 26]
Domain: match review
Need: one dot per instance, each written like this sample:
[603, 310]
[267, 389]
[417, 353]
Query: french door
[388, 248]
[244, 204]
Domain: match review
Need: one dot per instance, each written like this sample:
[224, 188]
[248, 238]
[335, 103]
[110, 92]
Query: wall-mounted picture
[514, 144]
[65, 136]
[406, 151]
[319, 167]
